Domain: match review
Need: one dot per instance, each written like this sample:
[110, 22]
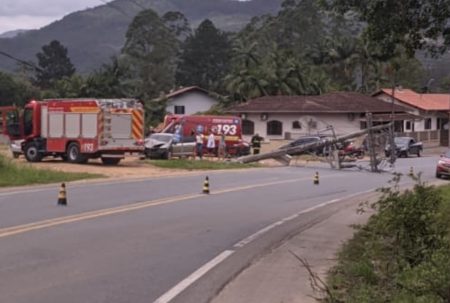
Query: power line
[20, 61]
[138, 4]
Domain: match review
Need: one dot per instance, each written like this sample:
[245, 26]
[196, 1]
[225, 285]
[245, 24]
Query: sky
[33, 14]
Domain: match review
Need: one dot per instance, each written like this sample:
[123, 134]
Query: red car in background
[443, 165]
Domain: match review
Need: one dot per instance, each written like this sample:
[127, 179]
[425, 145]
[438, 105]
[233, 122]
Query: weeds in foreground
[401, 255]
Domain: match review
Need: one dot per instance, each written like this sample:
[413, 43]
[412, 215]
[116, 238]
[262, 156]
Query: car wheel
[32, 153]
[405, 154]
[360, 155]
[167, 155]
[438, 175]
[74, 154]
[418, 153]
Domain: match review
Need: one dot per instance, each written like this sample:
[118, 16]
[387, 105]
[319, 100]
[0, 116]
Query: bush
[402, 254]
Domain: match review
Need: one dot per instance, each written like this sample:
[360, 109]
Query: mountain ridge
[95, 34]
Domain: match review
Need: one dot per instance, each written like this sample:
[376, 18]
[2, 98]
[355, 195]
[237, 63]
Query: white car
[165, 146]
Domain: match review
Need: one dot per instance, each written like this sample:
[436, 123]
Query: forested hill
[94, 35]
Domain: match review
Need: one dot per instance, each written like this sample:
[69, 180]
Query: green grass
[12, 174]
[199, 164]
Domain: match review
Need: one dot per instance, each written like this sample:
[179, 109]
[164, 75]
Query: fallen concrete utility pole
[282, 154]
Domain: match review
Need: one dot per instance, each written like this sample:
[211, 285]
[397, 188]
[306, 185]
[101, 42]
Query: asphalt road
[132, 241]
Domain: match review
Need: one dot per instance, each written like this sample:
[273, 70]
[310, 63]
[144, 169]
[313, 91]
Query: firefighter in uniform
[256, 143]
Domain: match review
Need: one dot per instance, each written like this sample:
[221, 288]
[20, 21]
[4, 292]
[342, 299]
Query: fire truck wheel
[32, 153]
[74, 155]
[111, 161]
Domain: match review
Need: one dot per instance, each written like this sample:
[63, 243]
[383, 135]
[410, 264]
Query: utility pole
[392, 154]
[371, 143]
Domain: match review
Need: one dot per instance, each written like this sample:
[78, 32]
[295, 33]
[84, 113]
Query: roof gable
[184, 90]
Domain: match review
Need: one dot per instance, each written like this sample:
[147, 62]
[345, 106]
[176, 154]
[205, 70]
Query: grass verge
[401, 255]
[12, 174]
[199, 164]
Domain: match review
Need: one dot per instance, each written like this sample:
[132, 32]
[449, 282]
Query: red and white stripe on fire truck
[138, 124]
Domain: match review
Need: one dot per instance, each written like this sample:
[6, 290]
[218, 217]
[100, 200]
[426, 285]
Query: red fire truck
[230, 126]
[77, 129]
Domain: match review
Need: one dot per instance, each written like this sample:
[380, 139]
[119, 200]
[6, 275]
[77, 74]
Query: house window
[408, 125]
[296, 125]
[179, 110]
[428, 123]
[274, 128]
[248, 127]
[441, 122]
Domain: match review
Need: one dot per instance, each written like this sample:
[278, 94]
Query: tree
[54, 64]
[205, 58]
[149, 54]
[412, 24]
[178, 25]
[108, 81]
[14, 90]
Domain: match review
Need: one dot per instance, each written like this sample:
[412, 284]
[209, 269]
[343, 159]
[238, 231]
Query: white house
[189, 100]
[433, 109]
[288, 117]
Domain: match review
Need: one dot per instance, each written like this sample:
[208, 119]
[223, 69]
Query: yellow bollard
[62, 197]
[316, 178]
[206, 186]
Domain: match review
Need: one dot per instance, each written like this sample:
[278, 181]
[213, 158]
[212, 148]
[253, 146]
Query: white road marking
[181, 286]
[177, 289]
[256, 235]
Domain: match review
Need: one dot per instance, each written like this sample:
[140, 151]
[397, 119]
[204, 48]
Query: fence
[428, 136]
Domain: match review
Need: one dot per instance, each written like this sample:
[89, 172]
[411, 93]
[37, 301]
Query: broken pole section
[277, 154]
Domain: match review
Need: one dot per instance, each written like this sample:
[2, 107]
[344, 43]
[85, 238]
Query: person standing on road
[221, 151]
[256, 143]
[199, 145]
[211, 143]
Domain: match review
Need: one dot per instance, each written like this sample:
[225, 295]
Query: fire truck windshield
[28, 121]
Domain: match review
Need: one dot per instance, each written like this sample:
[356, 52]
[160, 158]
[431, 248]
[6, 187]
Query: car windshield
[401, 140]
[162, 138]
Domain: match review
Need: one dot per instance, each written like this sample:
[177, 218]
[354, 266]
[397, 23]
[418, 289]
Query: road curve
[134, 241]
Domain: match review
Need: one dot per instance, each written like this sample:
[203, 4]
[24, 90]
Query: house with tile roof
[189, 100]
[433, 108]
[289, 117]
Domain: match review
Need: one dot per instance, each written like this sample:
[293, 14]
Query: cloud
[24, 22]
[44, 7]
[31, 14]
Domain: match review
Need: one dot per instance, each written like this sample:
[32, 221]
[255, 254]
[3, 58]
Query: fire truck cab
[77, 129]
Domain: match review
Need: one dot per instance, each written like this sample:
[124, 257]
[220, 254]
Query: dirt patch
[130, 167]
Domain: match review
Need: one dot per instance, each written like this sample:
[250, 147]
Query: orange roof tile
[438, 102]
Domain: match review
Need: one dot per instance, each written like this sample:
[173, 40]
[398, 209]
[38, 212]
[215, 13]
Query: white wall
[341, 123]
[193, 102]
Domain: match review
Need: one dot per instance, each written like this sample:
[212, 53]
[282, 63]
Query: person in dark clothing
[256, 143]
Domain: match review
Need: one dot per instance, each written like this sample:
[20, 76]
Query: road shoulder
[279, 277]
